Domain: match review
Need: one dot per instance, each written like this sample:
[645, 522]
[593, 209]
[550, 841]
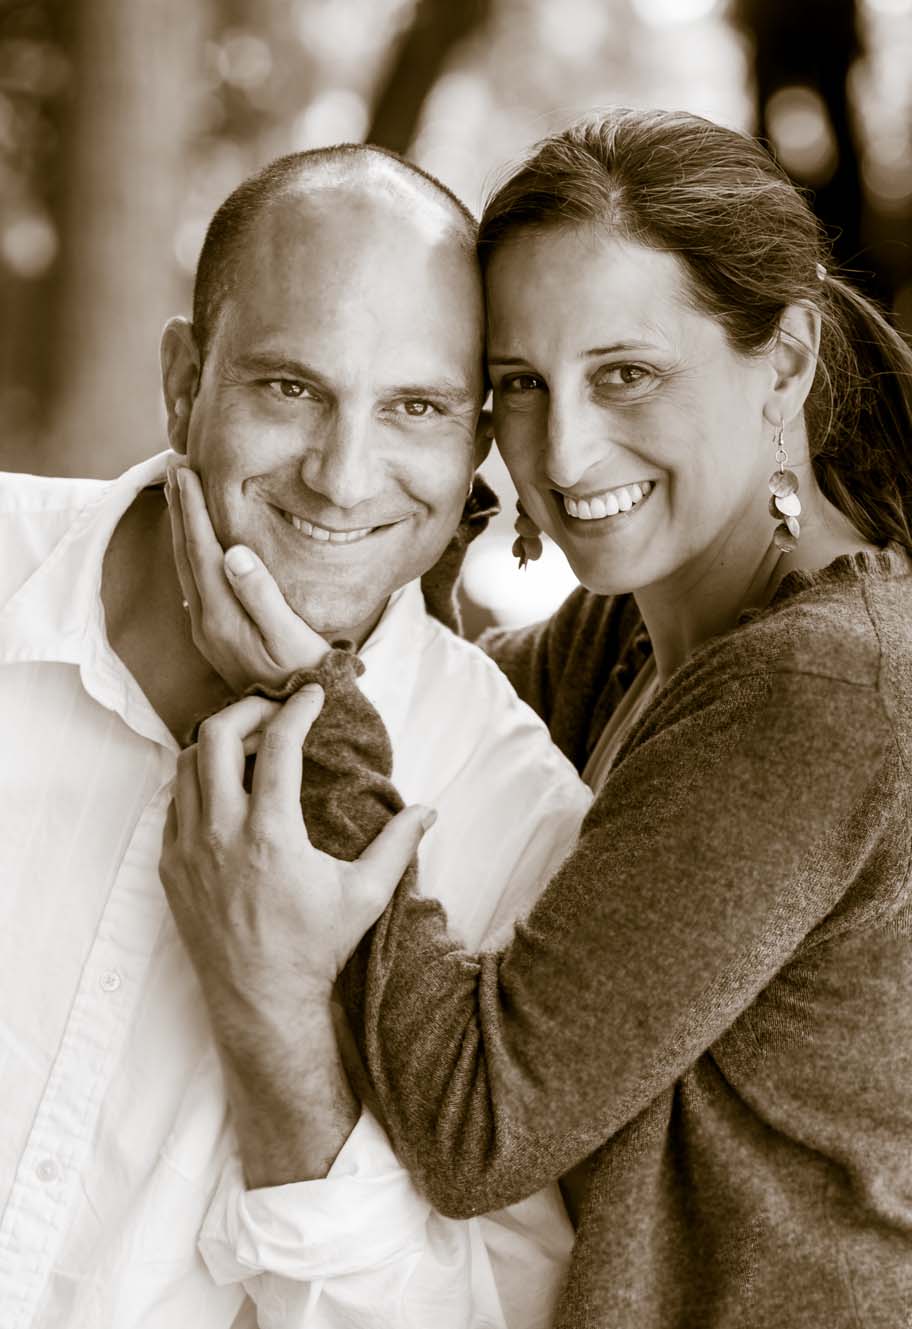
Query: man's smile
[326, 534]
[317, 533]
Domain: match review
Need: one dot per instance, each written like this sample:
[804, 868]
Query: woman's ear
[180, 369]
[793, 360]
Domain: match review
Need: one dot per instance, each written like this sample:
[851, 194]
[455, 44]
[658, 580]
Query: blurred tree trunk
[123, 173]
[438, 26]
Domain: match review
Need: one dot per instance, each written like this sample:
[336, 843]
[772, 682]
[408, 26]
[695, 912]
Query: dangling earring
[784, 504]
[527, 546]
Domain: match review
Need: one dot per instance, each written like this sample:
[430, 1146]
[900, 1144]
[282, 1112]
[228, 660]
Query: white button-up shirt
[116, 1142]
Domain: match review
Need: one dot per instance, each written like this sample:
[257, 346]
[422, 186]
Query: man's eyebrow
[275, 365]
[448, 390]
[269, 365]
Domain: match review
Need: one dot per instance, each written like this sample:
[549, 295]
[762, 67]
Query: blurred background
[124, 123]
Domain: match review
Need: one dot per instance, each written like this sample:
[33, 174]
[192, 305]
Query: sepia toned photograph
[456, 664]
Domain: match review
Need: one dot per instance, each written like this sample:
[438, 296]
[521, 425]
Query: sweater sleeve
[715, 847]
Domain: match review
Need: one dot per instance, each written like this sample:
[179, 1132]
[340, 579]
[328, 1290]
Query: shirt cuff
[365, 1212]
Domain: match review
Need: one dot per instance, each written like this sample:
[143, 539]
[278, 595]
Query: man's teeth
[608, 504]
[321, 533]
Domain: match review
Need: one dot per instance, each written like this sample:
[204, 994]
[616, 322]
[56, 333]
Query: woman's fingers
[287, 638]
[276, 792]
[382, 865]
[201, 548]
[182, 563]
[220, 758]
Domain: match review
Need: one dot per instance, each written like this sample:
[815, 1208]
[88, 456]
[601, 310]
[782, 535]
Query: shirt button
[109, 981]
[47, 1170]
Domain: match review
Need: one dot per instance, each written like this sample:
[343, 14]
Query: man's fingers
[384, 861]
[187, 794]
[287, 638]
[220, 761]
[276, 791]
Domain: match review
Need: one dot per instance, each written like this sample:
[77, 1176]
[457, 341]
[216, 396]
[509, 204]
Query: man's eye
[418, 409]
[519, 383]
[289, 387]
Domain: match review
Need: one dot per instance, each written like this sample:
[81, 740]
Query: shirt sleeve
[363, 1248]
[716, 846]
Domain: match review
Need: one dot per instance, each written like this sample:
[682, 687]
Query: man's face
[333, 426]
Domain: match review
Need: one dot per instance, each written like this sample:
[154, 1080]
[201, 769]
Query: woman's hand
[268, 920]
[240, 620]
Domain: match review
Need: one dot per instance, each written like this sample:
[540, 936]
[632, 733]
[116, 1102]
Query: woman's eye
[622, 376]
[521, 383]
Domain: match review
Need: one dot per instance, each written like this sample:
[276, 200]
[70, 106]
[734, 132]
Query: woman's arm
[716, 846]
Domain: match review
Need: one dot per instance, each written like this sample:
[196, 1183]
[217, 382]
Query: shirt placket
[46, 1185]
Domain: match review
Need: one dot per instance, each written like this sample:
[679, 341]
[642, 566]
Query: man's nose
[575, 441]
[342, 466]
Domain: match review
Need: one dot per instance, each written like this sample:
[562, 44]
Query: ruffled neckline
[845, 570]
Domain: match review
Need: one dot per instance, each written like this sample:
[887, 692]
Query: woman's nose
[573, 444]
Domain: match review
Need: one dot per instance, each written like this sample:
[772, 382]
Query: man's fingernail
[239, 561]
[427, 821]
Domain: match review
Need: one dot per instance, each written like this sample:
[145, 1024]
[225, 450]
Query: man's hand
[258, 906]
[268, 922]
[240, 620]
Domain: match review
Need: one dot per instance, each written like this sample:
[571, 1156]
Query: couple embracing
[609, 1025]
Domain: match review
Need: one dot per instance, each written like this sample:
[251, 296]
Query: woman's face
[634, 433]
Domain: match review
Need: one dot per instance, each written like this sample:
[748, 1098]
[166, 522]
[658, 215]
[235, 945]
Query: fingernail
[239, 561]
[427, 821]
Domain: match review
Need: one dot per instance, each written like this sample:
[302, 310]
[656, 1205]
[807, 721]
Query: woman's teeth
[608, 504]
[324, 535]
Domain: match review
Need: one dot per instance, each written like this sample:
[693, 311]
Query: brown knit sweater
[713, 997]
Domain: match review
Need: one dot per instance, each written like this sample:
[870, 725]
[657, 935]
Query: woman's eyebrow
[630, 345]
[507, 360]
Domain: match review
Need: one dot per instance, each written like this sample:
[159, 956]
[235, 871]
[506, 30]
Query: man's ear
[484, 434]
[180, 369]
[793, 360]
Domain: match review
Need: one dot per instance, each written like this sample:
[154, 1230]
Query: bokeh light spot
[243, 60]
[802, 135]
[188, 241]
[29, 246]
[338, 115]
[664, 13]
[493, 580]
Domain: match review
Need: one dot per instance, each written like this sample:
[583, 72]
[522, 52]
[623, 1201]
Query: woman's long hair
[750, 246]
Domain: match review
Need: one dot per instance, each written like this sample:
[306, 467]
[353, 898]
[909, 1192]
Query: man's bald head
[355, 171]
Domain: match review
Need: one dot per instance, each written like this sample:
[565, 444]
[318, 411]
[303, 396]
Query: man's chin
[338, 621]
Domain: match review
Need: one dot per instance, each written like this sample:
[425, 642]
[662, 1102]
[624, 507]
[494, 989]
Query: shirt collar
[57, 615]
[392, 658]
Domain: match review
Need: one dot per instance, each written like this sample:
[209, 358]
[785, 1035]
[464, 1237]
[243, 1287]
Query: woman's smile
[602, 515]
